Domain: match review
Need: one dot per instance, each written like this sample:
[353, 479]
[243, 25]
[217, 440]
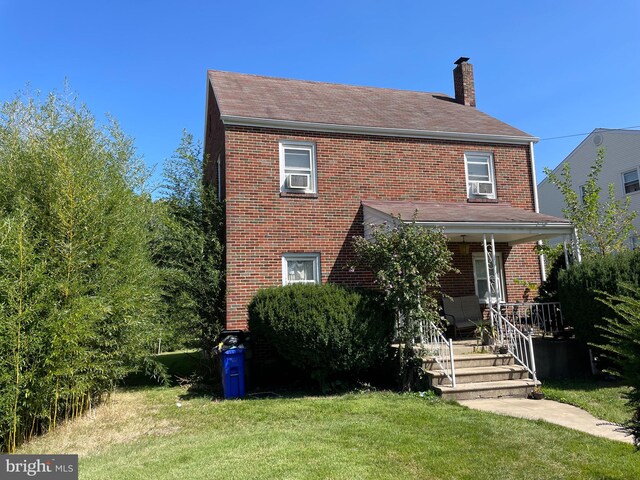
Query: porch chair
[462, 312]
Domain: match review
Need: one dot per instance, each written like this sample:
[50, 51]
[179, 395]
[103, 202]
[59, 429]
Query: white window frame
[492, 178]
[500, 268]
[287, 257]
[624, 189]
[298, 145]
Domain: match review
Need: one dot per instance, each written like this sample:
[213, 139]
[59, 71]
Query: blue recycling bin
[233, 373]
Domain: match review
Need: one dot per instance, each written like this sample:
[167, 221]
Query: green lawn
[143, 434]
[603, 399]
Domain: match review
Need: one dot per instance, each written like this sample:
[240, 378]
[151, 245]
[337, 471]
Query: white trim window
[480, 175]
[630, 181]
[300, 268]
[298, 167]
[480, 276]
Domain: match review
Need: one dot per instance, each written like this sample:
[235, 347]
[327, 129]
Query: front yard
[602, 399]
[143, 433]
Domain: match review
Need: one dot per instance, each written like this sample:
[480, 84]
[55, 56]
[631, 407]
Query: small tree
[603, 227]
[188, 249]
[407, 261]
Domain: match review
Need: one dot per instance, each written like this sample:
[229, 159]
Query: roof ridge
[317, 82]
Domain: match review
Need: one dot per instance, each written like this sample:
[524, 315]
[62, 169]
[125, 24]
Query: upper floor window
[480, 176]
[298, 167]
[300, 268]
[630, 181]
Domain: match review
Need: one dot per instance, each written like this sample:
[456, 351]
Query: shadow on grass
[586, 384]
[182, 366]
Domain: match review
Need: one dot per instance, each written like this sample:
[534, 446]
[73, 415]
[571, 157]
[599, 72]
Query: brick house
[303, 166]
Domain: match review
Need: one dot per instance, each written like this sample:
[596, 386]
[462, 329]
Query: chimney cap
[461, 60]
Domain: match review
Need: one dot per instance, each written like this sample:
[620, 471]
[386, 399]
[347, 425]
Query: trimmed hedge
[328, 331]
[580, 287]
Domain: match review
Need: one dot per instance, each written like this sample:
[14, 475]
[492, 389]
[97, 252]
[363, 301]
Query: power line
[587, 133]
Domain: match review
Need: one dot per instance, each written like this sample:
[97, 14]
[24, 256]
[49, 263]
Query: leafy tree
[603, 226]
[623, 346]
[188, 249]
[78, 289]
[407, 261]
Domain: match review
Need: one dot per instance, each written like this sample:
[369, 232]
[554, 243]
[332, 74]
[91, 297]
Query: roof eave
[367, 130]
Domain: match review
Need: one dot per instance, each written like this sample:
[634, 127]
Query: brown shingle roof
[258, 97]
[442, 212]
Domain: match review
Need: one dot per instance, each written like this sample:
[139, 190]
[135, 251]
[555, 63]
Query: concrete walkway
[550, 411]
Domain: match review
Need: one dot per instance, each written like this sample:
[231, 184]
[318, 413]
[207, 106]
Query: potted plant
[502, 349]
[486, 334]
[537, 393]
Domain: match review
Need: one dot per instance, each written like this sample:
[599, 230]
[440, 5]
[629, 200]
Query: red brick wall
[262, 225]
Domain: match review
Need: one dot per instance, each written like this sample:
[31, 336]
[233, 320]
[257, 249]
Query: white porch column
[493, 289]
[577, 246]
[566, 254]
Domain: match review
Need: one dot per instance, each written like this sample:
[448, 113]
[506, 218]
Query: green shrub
[328, 331]
[578, 289]
[622, 334]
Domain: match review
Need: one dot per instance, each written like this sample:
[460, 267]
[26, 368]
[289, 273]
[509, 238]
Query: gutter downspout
[543, 270]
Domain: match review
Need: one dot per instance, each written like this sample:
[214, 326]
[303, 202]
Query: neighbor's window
[480, 276]
[300, 268]
[582, 192]
[480, 175]
[297, 167]
[630, 181]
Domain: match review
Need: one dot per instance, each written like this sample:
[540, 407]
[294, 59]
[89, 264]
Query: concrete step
[477, 360]
[503, 388]
[480, 374]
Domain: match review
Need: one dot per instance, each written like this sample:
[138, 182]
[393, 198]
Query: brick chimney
[463, 82]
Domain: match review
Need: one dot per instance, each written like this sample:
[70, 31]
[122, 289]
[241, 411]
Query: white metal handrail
[520, 344]
[440, 347]
[543, 318]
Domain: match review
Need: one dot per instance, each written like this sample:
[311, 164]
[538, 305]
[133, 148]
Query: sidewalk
[550, 411]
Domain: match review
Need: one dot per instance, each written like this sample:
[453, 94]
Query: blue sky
[550, 68]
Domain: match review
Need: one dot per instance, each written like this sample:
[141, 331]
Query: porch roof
[471, 220]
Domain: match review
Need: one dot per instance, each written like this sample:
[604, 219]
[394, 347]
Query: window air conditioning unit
[298, 181]
[482, 189]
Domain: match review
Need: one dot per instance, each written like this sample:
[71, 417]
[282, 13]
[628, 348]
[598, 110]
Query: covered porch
[493, 244]
[493, 247]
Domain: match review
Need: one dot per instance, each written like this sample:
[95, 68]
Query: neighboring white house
[621, 168]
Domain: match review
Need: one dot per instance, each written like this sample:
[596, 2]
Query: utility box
[232, 365]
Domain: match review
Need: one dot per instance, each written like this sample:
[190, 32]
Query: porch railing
[441, 347]
[519, 343]
[543, 318]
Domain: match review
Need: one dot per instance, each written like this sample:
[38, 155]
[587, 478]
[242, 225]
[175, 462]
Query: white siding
[622, 154]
